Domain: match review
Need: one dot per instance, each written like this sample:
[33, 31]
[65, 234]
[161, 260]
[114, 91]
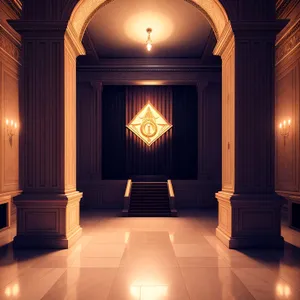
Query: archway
[85, 10]
[249, 209]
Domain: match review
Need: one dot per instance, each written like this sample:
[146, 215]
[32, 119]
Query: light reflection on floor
[150, 259]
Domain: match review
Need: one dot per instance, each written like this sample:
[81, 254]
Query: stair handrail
[171, 195]
[127, 196]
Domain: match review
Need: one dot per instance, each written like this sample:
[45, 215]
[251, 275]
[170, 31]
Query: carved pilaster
[48, 208]
[249, 209]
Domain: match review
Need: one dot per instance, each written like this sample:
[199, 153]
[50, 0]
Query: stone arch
[84, 11]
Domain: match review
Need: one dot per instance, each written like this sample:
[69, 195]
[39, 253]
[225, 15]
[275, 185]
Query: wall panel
[9, 107]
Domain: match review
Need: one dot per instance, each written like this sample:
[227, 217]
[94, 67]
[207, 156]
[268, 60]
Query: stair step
[149, 215]
[149, 199]
[150, 206]
[149, 211]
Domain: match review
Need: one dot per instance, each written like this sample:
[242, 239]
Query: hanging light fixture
[149, 41]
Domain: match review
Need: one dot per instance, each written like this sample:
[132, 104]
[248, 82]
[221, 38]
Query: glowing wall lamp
[149, 41]
[284, 129]
[11, 128]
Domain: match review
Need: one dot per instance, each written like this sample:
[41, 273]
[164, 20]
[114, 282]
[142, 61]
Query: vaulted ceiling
[118, 30]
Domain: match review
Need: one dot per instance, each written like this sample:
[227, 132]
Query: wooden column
[249, 208]
[48, 208]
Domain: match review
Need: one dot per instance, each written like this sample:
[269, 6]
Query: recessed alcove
[3, 215]
[295, 216]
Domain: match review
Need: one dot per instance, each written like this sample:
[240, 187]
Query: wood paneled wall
[9, 105]
[287, 179]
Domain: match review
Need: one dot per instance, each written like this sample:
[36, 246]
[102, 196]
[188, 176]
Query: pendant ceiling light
[149, 41]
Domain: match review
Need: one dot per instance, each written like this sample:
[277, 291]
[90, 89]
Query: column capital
[23, 26]
[248, 30]
[97, 85]
[56, 30]
[260, 29]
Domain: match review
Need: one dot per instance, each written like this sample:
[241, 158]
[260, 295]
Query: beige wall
[9, 105]
[288, 101]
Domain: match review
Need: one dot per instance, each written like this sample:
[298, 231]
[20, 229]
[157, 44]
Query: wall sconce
[284, 129]
[11, 128]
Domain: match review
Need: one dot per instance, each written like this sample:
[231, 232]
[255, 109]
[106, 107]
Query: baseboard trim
[47, 242]
[269, 242]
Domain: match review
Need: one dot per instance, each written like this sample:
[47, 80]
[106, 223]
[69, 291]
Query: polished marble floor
[150, 259]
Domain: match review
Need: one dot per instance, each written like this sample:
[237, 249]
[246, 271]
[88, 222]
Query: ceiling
[118, 30]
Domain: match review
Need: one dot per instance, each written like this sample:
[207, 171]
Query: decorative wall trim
[15, 7]
[284, 7]
[288, 42]
[150, 68]
[10, 44]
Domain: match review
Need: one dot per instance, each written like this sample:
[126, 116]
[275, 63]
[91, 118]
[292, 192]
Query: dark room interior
[149, 149]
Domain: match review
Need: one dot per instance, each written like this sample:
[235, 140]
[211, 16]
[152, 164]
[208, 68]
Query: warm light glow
[149, 292]
[161, 26]
[283, 290]
[284, 129]
[11, 127]
[171, 236]
[153, 292]
[149, 46]
[149, 125]
[12, 290]
[85, 9]
[126, 237]
[135, 292]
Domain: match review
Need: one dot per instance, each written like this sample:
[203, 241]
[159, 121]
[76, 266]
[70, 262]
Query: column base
[23, 241]
[250, 242]
[47, 220]
[249, 221]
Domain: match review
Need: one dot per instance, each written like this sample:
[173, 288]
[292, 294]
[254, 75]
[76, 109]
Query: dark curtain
[173, 155]
[157, 158]
[185, 133]
[113, 133]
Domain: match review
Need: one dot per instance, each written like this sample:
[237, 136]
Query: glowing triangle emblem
[149, 124]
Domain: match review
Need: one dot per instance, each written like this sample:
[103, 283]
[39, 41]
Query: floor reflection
[150, 259]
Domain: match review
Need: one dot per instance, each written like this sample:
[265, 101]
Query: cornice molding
[288, 43]
[149, 68]
[22, 26]
[248, 30]
[14, 7]
[284, 7]
[10, 44]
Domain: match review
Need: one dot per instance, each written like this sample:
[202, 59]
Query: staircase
[149, 199]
